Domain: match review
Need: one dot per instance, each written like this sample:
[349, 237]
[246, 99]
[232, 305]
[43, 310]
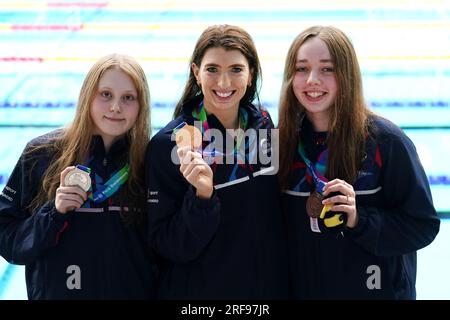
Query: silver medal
[78, 177]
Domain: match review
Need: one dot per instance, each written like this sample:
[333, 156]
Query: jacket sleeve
[407, 220]
[180, 224]
[24, 236]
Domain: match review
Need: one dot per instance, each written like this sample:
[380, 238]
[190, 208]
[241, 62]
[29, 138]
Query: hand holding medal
[319, 208]
[193, 167]
[72, 191]
[341, 196]
[319, 205]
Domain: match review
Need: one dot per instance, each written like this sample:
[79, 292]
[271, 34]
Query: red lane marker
[28, 27]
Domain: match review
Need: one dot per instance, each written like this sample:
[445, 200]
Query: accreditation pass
[258, 310]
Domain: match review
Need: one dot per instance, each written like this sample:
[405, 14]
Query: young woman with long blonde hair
[73, 210]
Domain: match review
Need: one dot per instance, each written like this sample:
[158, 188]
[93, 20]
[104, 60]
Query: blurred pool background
[46, 48]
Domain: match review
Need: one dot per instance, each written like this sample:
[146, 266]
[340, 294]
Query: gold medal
[314, 204]
[78, 177]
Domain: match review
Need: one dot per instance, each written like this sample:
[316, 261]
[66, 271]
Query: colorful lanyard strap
[111, 186]
[83, 168]
[318, 178]
[199, 113]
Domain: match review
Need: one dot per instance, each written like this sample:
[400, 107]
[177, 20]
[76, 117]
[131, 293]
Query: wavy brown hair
[72, 146]
[349, 114]
[230, 38]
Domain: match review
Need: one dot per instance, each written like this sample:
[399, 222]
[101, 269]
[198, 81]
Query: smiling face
[223, 77]
[115, 107]
[314, 83]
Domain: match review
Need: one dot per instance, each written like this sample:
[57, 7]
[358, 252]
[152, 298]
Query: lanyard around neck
[318, 178]
[199, 114]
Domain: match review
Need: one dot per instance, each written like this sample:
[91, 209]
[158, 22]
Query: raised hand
[68, 198]
[196, 171]
[344, 202]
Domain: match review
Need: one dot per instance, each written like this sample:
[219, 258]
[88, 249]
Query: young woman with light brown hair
[356, 198]
[73, 210]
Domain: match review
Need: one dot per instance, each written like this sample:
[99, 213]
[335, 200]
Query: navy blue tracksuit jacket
[89, 253]
[377, 259]
[231, 246]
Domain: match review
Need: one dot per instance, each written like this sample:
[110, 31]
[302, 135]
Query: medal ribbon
[318, 178]
[83, 168]
[199, 114]
[111, 186]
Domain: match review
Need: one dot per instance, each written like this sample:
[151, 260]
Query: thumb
[63, 175]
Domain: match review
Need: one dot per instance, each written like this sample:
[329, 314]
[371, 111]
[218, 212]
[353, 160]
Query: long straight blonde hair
[72, 146]
[349, 114]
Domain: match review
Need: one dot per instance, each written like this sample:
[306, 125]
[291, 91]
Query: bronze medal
[314, 204]
[188, 136]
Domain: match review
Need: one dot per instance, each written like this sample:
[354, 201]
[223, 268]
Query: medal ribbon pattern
[316, 171]
[199, 113]
[104, 191]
